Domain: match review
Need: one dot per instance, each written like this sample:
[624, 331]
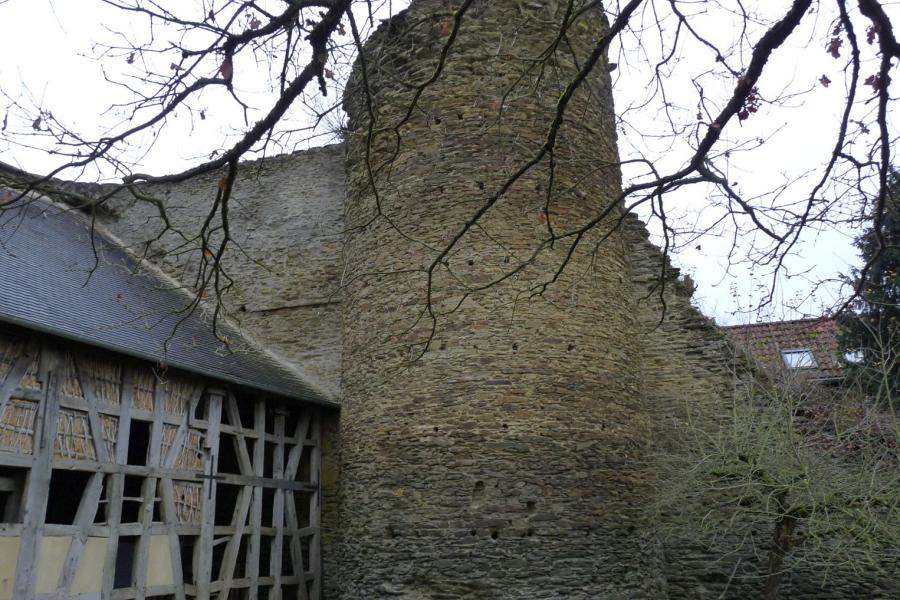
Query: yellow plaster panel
[9, 550]
[53, 555]
[89, 574]
[159, 563]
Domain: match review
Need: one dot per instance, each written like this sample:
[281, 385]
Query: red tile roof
[766, 342]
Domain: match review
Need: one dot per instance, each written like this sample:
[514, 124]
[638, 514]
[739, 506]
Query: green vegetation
[870, 333]
[797, 476]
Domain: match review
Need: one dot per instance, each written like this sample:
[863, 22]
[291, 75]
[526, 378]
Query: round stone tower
[492, 432]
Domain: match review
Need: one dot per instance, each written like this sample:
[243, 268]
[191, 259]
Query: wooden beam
[148, 491]
[296, 453]
[177, 444]
[240, 447]
[38, 486]
[229, 560]
[116, 489]
[203, 551]
[170, 518]
[168, 510]
[294, 457]
[91, 466]
[278, 508]
[229, 478]
[54, 530]
[296, 547]
[315, 507]
[84, 519]
[259, 454]
[87, 507]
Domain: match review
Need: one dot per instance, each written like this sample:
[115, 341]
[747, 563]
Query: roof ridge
[788, 321]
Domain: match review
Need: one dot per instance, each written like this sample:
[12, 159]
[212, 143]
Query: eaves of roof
[62, 276]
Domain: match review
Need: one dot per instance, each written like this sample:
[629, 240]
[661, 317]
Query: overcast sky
[48, 51]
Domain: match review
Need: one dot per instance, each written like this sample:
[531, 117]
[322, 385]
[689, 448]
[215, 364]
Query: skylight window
[801, 358]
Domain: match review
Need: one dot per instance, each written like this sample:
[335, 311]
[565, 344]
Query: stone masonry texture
[287, 224]
[508, 460]
[514, 458]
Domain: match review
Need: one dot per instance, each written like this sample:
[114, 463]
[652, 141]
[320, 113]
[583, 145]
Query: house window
[801, 358]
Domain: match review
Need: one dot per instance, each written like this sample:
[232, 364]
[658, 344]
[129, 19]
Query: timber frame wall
[118, 483]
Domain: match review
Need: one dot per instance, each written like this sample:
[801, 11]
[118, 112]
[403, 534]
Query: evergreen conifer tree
[870, 333]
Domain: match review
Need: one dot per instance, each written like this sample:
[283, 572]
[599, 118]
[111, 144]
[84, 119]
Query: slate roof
[766, 342]
[54, 280]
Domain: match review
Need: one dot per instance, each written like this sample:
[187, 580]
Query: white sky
[48, 59]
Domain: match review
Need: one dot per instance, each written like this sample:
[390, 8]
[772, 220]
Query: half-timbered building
[144, 453]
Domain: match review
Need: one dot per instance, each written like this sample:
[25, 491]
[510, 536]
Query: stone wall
[286, 218]
[685, 367]
[507, 461]
[690, 371]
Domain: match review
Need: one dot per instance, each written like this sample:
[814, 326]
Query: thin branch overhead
[711, 100]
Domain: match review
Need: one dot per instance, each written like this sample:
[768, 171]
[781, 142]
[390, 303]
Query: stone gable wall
[286, 218]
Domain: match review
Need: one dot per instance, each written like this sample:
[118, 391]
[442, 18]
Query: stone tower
[492, 428]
